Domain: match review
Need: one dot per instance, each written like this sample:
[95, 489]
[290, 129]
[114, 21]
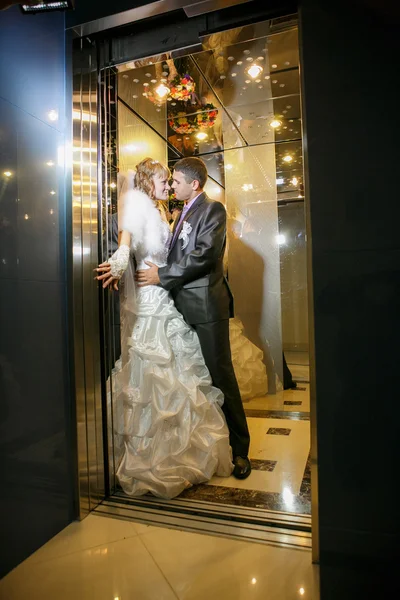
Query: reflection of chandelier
[203, 119]
[183, 123]
[182, 88]
[206, 118]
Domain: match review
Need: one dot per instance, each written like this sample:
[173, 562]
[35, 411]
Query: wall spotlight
[41, 7]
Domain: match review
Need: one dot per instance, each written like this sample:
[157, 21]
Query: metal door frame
[92, 447]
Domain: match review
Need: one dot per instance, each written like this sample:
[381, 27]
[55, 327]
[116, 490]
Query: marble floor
[297, 400]
[281, 474]
[108, 559]
[279, 452]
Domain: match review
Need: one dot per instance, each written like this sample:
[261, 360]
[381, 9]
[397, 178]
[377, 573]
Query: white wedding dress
[247, 360]
[169, 430]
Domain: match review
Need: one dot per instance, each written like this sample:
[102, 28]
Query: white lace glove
[119, 261]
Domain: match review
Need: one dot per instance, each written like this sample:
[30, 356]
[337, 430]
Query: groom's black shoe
[242, 467]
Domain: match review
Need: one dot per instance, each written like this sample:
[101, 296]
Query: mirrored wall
[236, 105]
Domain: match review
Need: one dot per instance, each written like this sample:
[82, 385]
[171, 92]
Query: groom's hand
[148, 276]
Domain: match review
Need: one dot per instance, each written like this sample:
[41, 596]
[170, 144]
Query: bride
[169, 423]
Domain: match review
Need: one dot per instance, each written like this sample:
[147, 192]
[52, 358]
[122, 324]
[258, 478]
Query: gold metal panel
[85, 291]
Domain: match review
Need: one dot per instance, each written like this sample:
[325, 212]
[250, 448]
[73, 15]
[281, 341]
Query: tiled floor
[280, 478]
[289, 451]
[284, 400]
[109, 559]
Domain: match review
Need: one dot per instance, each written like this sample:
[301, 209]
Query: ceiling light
[7, 173]
[26, 217]
[52, 193]
[162, 90]
[279, 181]
[280, 239]
[50, 163]
[254, 581]
[53, 115]
[288, 158]
[201, 135]
[254, 71]
[275, 123]
[302, 591]
[295, 181]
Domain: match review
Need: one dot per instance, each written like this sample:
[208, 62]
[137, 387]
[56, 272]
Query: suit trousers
[216, 349]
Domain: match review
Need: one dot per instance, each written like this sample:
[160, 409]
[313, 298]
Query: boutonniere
[184, 234]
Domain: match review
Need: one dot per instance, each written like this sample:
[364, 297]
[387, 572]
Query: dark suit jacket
[194, 274]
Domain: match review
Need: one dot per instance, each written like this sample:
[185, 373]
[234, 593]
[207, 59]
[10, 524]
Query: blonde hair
[145, 171]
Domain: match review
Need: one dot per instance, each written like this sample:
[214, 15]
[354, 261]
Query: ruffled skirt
[169, 430]
[247, 359]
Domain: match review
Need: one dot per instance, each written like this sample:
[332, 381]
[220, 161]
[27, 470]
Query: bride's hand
[105, 276]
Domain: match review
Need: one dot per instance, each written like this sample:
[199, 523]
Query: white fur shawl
[138, 215]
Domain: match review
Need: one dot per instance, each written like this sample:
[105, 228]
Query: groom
[194, 276]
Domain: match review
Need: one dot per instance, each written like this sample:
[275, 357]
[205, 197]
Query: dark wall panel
[36, 499]
[349, 65]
